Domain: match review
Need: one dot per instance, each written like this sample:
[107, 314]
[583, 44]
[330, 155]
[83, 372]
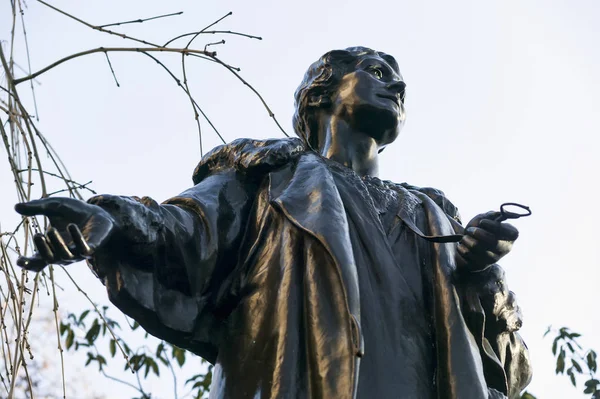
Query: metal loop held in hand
[505, 214]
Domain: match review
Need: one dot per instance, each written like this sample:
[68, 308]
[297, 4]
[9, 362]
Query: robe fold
[297, 278]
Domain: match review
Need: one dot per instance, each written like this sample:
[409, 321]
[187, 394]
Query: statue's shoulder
[438, 197]
[249, 156]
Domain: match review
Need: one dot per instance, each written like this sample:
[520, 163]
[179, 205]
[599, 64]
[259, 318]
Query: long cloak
[254, 269]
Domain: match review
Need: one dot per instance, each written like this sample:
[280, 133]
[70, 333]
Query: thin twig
[187, 93]
[212, 60]
[110, 32]
[185, 82]
[56, 323]
[213, 44]
[81, 186]
[271, 114]
[53, 175]
[139, 21]
[213, 32]
[112, 70]
[28, 61]
[217, 21]
[187, 90]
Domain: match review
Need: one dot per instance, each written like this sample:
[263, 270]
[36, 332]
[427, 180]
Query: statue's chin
[382, 124]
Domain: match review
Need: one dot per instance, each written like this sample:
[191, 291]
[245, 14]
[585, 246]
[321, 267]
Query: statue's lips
[392, 97]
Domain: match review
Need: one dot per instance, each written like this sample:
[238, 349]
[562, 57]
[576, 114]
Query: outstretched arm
[160, 263]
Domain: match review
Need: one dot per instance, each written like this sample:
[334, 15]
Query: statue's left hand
[485, 242]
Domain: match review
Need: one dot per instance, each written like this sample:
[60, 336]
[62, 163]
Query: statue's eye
[377, 72]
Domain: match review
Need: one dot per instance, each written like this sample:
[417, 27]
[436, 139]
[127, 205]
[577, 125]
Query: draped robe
[297, 278]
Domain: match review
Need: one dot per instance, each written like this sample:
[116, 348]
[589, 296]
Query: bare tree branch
[114, 49]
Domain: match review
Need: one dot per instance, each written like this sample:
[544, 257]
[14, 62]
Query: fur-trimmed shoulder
[439, 198]
[248, 155]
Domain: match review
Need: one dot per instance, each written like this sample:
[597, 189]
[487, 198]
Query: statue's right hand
[77, 229]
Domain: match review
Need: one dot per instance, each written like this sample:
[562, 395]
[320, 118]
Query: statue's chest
[377, 201]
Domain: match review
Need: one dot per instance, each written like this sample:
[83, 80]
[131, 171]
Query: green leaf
[527, 395]
[112, 346]
[555, 345]
[591, 360]
[93, 332]
[591, 385]
[63, 328]
[101, 361]
[560, 362]
[178, 354]
[83, 315]
[572, 376]
[70, 339]
[570, 347]
[576, 365]
[136, 362]
[154, 366]
[163, 360]
[194, 378]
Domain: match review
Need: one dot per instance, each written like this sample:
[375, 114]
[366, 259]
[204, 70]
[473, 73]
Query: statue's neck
[353, 149]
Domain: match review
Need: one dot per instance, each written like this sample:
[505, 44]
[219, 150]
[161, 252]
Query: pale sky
[502, 102]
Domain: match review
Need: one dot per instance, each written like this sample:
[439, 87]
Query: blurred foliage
[573, 361]
[97, 335]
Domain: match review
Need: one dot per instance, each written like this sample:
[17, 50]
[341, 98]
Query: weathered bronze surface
[299, 273]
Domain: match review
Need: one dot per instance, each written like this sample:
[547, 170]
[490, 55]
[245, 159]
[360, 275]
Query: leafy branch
[573, 360]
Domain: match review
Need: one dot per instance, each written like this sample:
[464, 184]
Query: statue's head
[360, 85]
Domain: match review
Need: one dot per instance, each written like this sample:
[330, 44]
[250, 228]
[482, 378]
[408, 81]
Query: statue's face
[371, 99]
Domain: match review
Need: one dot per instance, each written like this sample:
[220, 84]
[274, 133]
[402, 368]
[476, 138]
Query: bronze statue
[297, 272]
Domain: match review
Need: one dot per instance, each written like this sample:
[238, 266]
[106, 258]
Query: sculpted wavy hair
[320, 80]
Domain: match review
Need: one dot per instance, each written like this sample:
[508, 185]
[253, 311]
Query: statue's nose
[397, 86]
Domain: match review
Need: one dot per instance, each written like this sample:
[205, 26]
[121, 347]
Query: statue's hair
[320, 80]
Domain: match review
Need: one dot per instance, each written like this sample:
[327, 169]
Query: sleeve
[493, 317]
[167, 261]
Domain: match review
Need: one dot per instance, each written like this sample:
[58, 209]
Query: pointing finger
[66, 207]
